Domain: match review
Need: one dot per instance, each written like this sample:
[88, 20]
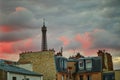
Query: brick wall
[117, 75]
[94, 76]
[43, 63]
[3, 75]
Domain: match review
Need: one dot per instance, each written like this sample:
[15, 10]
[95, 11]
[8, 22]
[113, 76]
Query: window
[89, 77]
[62, 64]
[81, 65]
[88, 64]
[65, 64]
[14, 78]
[81, 77]
[27, 79]
[62, 77]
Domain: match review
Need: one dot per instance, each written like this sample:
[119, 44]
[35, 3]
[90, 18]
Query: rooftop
[18, 70]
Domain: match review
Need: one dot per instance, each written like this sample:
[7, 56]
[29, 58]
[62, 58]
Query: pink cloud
[6, 47]
[28, 43]
[20, 9]
[65, 40]
[84, 39]
[11, 50]
[5, 29]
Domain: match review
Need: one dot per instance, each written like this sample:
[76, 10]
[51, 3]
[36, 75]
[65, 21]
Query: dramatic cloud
[84, 40]
[77, 25]
[64, 40]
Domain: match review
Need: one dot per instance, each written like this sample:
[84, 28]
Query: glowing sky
[76, 25]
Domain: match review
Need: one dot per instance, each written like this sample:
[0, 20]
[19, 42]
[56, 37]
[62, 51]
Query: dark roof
[60, 67]
[18, 70]
[72, 60]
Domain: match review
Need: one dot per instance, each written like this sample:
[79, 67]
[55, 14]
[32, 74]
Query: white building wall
[26, 66]
[22, 77]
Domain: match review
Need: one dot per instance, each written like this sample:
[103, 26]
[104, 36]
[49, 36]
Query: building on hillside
[10, 72]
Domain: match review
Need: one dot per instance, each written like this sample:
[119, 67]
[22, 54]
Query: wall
[43, 63]
[21, 76]
[61, 76]
[26, 66]
[117, 75]
[3, 75]
[94, 76]
[72, 65]
[107, 64]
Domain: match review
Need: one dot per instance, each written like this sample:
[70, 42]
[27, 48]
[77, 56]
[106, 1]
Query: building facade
[10, 72]
[117, 74]
[87, 68]
[107, 64]
[61, 68]
[43, 62]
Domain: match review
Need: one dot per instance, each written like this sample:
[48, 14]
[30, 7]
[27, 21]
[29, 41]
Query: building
[107, 63]
[10, 72]
[117, 74]
[108, 75]
[87, 68]
[57, 67]
[25, 65]
[61, 68]
[43, 62]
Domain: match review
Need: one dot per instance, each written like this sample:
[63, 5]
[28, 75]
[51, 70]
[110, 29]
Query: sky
[84, 26]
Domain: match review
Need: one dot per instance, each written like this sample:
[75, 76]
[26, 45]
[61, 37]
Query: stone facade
[3, 75]
[62, 76]
[107, 63]
[117, 74]
[93, 76]
[43, 63]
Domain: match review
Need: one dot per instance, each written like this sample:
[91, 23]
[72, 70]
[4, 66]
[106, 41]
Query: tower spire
[43, 21]
[44, 37]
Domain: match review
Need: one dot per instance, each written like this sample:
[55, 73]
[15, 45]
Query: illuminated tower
[44, 37]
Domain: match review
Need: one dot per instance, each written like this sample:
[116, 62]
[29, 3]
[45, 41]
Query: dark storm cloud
[20, 19]
[17, 36]
[63, 18]
[110, 11]
[105, 39]
[72, 17]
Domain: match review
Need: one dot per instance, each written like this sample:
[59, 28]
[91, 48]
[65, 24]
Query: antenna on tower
[43, 21]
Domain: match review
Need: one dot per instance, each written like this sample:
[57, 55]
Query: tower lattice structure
[44, 37]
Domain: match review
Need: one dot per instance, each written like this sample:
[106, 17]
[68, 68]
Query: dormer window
[88, 64]
[81, 64]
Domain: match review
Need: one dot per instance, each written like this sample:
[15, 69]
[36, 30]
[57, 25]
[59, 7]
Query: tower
[44, 37]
